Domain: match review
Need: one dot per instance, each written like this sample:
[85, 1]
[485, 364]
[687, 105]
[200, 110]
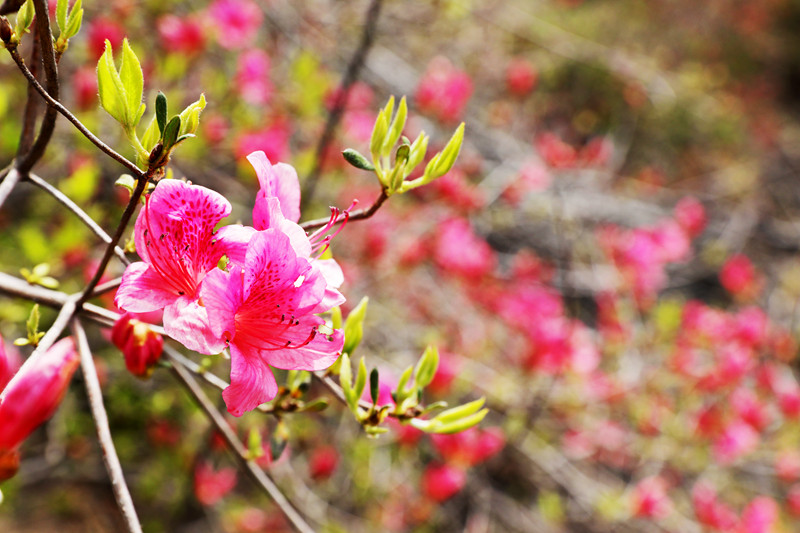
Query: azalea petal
[143, 290]
[233, 241]
[318, 354]
[252, 382]
[175, 232]
[334, 277]
[221, 293]
[276, 181]
[275, 277]
[267, 215]
[187, 322]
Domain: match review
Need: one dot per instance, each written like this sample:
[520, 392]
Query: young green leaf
[396, 128]
[190, 117]
[426, 367]
[24, 18]
[61, 16]
[354, 326]
[361, 380]
[109, 86]
[357, 160]
[161, 112]
[130, 74]
[373, 385]
[74, 21]
[171, 132]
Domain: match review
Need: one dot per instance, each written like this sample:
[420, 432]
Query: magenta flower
[176, 240]
[237, 20]
[265, 312]
[31, 397]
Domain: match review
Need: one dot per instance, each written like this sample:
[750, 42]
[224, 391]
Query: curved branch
[7, 185]
[239, 449]
[136, 171]
[80, 213]
[350, 76]
[110, 458]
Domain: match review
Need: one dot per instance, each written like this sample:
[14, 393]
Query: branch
[32, 101]
[360, 214]
[11, 6]
[8, 184]
[95, 394]
[236, 446]
[123, 224]
[45, 37]
[136, 171]
[351, 74]
[108, 285]
[81, 214]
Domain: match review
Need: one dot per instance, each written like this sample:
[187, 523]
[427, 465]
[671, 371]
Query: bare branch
[238, 448]
[108, 285]
[8, 184]
[110, 458]
[136, 171]
[80, 213]
[123, 224]
[45, 38]
[350, 76]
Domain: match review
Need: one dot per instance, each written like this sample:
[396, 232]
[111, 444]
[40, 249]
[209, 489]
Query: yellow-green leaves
[31, 329]
[393, 163]
[121, 91]
[40, 276]
[426, 367]
[190, 117]
[453, 420]
[24, 19]
[354, 326]
[68, 24]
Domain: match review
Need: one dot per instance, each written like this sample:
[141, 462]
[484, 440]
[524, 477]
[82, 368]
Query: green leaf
[32, 325]
[361, 380]
[74, 21]
[450, 152]
[61, 16]
[357, 160]
[354, 326]
[171, 132]
[401, 393]
[456, 413]
[374, 385]
[190, 117]
[426, 367]
[255, 447]
[151, 136]
[279, 439]
[417, 153]
[109, 86]
[161, 113]
[346, 378]
[24, 18]
[396, 129]
[463, 423]
[130, 74]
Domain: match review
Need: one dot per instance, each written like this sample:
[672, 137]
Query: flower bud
[140, 345]
[33, 394]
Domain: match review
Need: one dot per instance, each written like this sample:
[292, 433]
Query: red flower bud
[140, 345]
[442, 482]
[31, 397]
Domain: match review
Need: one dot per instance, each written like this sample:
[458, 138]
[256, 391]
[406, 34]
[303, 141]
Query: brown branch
[45, 38]
[350, 76]
[360, 214]
[110, 458]
[136, 171]
[7, 185]
[32, 102]
[11, 6]
[64, 200]
[238, 448]
[123, 224]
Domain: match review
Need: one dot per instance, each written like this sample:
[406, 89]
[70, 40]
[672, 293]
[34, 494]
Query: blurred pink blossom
[211, 485]
[252, 77]
[443, 91]
[237, 22]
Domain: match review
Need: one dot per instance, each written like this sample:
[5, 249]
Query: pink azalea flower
[181, 35]
[272, 139]
[31, 397]
[760, 516]
[442, 482]
[175, 238]
[211, 485]
[461, 251]
[739, 277]
[252, 77]
[737, 439]
[521, 77]
[9, 364]
[265, 314]
[691, 215]
[443, 90]
[650, 499]
[237, 20]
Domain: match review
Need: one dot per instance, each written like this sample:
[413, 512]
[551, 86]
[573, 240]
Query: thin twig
[209, 377]
[32, 102]
[11, 6]
[123, 224]
[136, 171]
[110, 458]
[61, 321]
[80, 213]
[355, 65]
[7, 185]
[238, 448]
[355, 215]
[45, 38]
[107, 286]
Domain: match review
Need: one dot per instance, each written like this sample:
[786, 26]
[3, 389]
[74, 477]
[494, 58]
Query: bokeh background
[612, 263]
